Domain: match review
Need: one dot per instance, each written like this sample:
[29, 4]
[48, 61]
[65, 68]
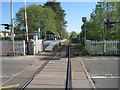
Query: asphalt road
[103, 70]
[13, 65]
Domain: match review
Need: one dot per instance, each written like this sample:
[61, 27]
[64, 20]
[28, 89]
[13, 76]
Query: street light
[12, 26]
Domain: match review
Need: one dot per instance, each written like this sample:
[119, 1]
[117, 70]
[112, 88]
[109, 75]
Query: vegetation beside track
[62, 52]
[78, 49]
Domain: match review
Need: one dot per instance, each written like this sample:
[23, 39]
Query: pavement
[80, 77]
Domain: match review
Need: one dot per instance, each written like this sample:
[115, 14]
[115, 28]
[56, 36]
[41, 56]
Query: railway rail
[68, 78]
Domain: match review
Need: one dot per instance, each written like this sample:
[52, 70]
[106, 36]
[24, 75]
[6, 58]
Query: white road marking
[104, 77]
[4, 76]
[101, 59]
[95, 76]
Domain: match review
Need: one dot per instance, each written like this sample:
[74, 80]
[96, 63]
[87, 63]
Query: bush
[80, 47]
[20, 38]
[5, 39]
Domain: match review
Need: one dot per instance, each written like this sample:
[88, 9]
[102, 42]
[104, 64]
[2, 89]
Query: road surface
[103, 70]
[11, 66]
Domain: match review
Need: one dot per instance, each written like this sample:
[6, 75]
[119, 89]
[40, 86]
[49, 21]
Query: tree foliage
[73, 35]
[39, 16]
[60, 15]
[95, 26]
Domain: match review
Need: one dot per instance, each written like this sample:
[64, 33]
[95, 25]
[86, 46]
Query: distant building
[50, 35]
[5, 34]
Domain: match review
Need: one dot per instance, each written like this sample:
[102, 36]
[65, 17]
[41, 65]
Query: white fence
[6, 47]
[103, 47]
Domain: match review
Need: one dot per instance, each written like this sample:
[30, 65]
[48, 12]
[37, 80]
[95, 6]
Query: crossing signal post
[109, 24]
[84, 19]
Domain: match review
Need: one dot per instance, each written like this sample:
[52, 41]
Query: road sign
[7, 26]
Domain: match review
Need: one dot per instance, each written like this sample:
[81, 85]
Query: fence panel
[6, 47]
[103, 47]
[19, 47]
[97, 47]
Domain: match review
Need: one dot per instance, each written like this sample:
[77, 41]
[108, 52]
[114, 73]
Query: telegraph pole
[12, 26]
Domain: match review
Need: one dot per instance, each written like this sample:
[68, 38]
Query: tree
[73, 35]
[102, 12]
[44, 17]
[38, 16]
[60, 16]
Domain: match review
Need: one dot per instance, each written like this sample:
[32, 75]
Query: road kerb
[88, 76]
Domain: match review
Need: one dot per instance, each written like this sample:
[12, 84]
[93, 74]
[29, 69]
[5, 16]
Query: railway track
[55, 54]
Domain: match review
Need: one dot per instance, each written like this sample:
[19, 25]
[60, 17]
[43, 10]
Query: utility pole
[12, 26]
[104, 31]
[26, 22]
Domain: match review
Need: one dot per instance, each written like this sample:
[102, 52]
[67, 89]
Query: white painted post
[104, 46]
[34, 48]
[24, 47]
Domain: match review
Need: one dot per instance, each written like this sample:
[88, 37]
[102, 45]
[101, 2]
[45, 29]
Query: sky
[74, 12]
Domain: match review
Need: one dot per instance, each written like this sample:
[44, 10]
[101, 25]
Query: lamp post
[12, 26]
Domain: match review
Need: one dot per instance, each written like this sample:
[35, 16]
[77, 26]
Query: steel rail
[69, 77]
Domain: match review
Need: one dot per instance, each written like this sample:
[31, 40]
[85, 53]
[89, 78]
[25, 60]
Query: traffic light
[109, 24]
[7, 26]
[84, 19]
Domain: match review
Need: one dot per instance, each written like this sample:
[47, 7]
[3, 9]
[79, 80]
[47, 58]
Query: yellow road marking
[11, 86]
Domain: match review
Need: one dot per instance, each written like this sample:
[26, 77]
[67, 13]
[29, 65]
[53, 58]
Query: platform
[52, 44]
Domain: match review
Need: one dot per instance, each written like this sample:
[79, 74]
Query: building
[5, 34]
[50, 35]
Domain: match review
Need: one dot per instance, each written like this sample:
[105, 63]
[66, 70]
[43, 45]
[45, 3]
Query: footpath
[54, 75]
